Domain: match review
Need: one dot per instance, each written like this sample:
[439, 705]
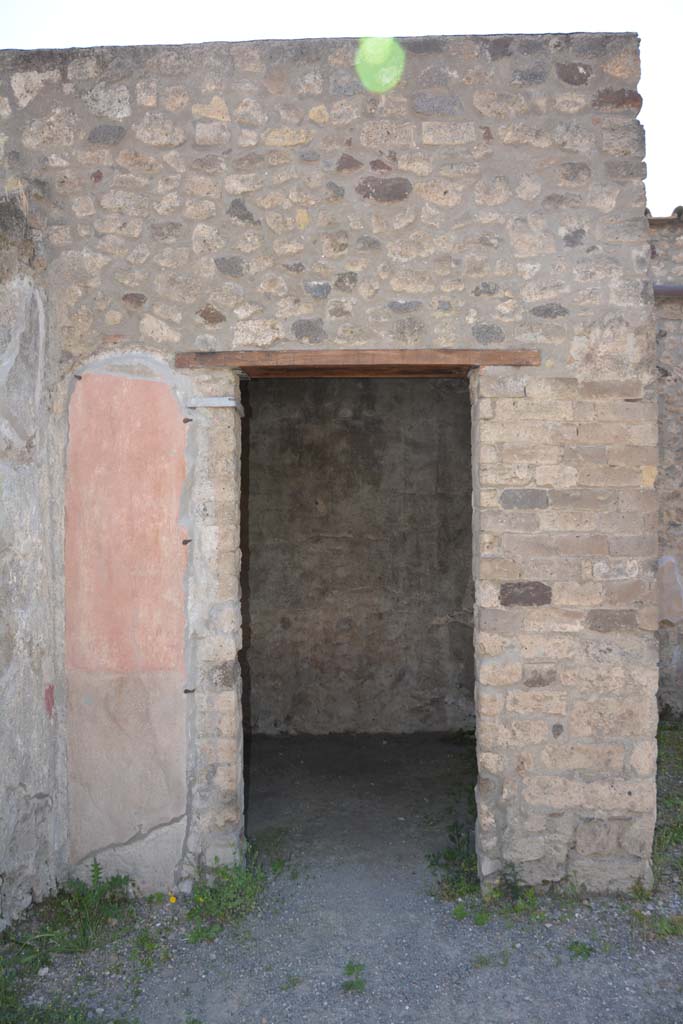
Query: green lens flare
[380, 63]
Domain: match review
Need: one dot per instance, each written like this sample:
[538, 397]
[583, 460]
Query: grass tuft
[456, 866]
[87, 915]
[290, 982]
[580, 950]
[227, 897]
[659, 926]
[80, 917]
[355, 982]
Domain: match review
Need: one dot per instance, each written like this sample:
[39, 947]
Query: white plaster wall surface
[31, 782]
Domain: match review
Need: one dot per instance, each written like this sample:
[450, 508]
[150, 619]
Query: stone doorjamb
[214, 627]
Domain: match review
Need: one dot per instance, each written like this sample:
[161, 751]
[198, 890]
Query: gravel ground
[346, 824]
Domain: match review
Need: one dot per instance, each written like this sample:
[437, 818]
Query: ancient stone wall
[357, 583]
[32, 795]
[253, 195]
[566, 614]
[667, 268]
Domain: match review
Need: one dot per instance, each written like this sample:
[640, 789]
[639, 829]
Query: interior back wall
[357, 581]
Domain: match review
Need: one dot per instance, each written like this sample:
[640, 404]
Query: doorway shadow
[245, 596]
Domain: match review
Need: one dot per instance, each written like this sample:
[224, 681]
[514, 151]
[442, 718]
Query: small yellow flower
[171, 898]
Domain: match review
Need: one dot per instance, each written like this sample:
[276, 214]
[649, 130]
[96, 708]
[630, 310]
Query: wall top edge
[300, 48]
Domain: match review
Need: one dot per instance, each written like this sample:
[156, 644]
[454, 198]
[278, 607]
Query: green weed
[146, 941]
[277, 866]
[660, 926]
[527, 903]
[564, 897]
[510, 898]
[32, 950]
[268, 847]
[502, 959]
[639, 892]
[355, 982]
[580, 950]
[204, 932]
[513, 897]
[147, 949]
[85, 915]
[290, 982]
[227, 897]
[458, 880]
[78, 918]
[456, 866]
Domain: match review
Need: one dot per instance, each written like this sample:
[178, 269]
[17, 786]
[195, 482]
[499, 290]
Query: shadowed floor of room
[382, 802]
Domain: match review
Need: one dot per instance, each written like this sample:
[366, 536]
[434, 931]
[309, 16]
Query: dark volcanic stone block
[525, 592]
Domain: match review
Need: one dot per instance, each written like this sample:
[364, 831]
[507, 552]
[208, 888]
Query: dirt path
[346, 825]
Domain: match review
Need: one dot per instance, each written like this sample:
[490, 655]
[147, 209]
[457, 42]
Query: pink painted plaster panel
[124, 555]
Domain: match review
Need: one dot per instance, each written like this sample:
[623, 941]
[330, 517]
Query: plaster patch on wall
[22, 355]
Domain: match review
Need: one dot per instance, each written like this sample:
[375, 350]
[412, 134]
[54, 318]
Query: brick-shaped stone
[607, 620]
[525, 592]
[516, 497]
[384, 190]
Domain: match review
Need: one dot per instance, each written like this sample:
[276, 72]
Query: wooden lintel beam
[279, 372]
[441, 362]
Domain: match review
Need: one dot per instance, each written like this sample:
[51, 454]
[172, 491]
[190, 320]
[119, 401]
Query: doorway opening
[357, 601]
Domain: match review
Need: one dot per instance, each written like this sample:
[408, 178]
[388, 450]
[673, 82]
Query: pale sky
[33, 24]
